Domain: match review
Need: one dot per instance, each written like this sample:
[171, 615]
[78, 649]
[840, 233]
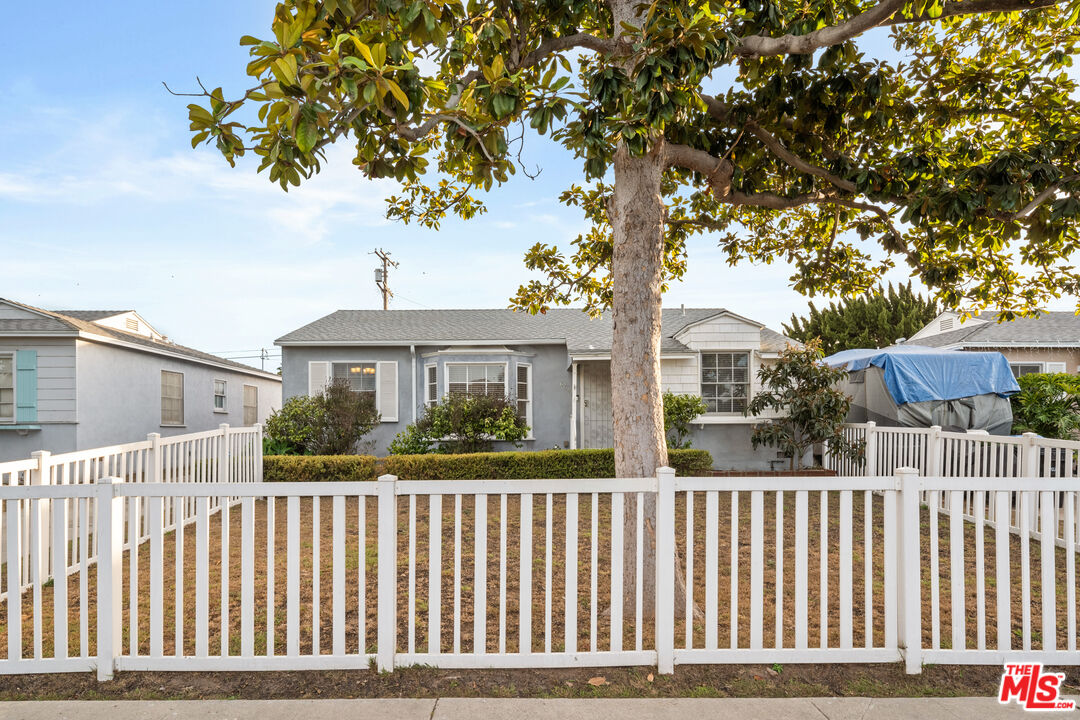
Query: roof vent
[132, 324]
[683, 309]
[945, 324]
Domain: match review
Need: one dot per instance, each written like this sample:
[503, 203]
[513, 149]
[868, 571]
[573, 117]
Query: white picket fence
[529, 573]
[226, 454]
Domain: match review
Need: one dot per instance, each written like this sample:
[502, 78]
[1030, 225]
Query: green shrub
[542, 464]
[331, 423]
[462, 424]
[1048, 404]
[318, 468]
[679, 410]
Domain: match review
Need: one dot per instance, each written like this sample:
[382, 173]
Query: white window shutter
[1055, 367]
[318, 377]
[387, 395]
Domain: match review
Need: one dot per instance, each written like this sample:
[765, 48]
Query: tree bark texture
[636, 213]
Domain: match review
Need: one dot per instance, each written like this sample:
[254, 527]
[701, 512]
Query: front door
[595, 409]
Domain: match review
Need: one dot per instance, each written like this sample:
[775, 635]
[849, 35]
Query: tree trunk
[636, 213]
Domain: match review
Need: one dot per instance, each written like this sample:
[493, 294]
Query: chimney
[682, 308]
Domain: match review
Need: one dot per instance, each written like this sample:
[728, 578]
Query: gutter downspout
[412, 352]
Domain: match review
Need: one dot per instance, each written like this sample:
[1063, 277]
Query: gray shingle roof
[1051, 328]
[91, 315]
[581, 333]
[55, 321]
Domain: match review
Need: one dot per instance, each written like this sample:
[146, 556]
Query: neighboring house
[556, 364]
[1048, 343]
[78, 379]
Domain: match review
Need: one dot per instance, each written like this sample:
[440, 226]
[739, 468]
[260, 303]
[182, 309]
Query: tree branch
[884, 13]
[717, 171]
[762, 45]
[974, 7]
[777, 148]
[1042, 197]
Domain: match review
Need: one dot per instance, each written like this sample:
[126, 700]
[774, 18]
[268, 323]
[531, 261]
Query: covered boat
[917, 386]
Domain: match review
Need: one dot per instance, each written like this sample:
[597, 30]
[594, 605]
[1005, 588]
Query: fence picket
[480, 576]
[757, 568]
[525, 572]
[435, 573]
[1002, 580]
[1048, 587]
[957, 569]
[712, 559]
[570, 626]
[802, 532]
[60, 586]
[618, 508]
[846, 556]
[338, 575]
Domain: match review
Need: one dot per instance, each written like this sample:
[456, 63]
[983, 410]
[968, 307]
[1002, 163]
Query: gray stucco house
[557, 365]
[78, 379]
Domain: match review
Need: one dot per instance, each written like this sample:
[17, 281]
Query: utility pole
[382, 276]
[262, 358]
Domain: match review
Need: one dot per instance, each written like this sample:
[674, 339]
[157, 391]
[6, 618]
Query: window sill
[221, 412]
[17, 426]
[164, 425]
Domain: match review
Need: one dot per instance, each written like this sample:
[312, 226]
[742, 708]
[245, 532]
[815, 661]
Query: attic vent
[132, 324]
[946, 324]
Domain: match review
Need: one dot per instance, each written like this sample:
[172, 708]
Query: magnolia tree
[959, 161]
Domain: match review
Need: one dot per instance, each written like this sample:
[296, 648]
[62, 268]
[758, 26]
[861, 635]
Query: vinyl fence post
[870, 452]
[933, 452]
[386, 616]
[225, 456]
[155, 460]
[665, 570]
[909, 587]
[258, 453]
[110, 548]
[42, 476]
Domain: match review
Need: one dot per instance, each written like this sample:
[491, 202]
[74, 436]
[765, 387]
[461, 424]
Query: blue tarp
[915, 373]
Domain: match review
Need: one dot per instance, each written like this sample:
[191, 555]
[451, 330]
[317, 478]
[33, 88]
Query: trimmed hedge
[318, 468]
[541, 464]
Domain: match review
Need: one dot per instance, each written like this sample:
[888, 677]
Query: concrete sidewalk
[520, 709]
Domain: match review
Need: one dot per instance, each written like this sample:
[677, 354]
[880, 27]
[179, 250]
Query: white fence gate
[537, 573]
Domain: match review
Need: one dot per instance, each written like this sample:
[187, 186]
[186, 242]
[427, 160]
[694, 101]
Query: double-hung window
[251, 404]
[524, 393]
[172, 398]
[359, 376]
[476, 378]
[725, 381]
[431, 385]
[219, 396]
[7, 388]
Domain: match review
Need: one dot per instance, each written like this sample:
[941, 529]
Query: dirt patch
[688, 681]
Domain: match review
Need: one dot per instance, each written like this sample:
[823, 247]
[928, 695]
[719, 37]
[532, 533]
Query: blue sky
[103, 203]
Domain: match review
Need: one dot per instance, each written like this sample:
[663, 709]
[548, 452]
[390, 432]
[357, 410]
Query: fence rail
[540, 573]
